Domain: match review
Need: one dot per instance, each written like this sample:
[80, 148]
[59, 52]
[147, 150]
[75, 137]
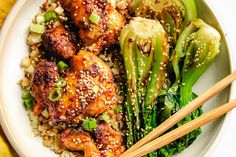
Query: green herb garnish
[62, 66]
[118, 108]
[55, 95]
[61, 83]
[94, 18]
[105, 117]
[37, 28]
[50, 15]
[89, 124]
[28, 99]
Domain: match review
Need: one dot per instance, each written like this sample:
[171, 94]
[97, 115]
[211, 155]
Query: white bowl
[13, 116]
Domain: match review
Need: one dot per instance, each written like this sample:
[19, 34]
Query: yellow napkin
[5, 7]
[5, 148]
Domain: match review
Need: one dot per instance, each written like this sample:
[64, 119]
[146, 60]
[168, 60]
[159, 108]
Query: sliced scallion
[37, 28]
[50, 15]
[89, 124]
[28, 100]
[94, 18]
[62, 66]
[61, 83]
[26, 94]
[55, 95]
[28, 103]
[40, 19]
[105, 117]
[118, 108]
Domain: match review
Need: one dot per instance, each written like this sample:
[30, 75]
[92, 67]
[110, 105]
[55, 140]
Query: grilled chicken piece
[43, 81]
[109, 141]
[90, 90]
[98, 35]
[59, 42]
[79, 141]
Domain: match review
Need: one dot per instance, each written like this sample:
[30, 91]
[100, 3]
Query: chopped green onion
[94, 18]
[28, 100]
[55, 95]
[40, 19]
[62, 66]
[118, 108]
[37, 28]
[61, 83]
[29, 103]
[50, 15]
[105, 117]
[26, 94]
[95, 89]
[89, 124]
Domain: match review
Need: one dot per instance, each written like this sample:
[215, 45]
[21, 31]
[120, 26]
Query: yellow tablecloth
[5, 148]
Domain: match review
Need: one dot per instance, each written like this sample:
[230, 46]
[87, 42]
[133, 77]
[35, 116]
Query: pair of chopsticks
[148, 144]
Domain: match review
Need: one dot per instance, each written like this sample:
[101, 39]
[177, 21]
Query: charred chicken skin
[59, 42]
[105, 142]
[76, 140]
[109, 141]
[90, 90]
[43, 81]
[104, 31]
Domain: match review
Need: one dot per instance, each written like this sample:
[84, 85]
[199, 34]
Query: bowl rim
[232, 67]
[4, 121]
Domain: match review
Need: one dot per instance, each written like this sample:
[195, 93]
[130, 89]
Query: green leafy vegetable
[152, 93]
[174, 15]
[145, 52]
[196, 48]
[201, 48]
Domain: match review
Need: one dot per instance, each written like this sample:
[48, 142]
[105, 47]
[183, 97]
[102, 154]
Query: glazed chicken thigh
[98, 21]
[90, 90]
[59, 42]
[43, 81]
[76, 140]
[110, 141]
[107, 142]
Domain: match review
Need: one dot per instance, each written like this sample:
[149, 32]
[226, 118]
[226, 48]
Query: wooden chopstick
[183, 130]
[178, 116]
